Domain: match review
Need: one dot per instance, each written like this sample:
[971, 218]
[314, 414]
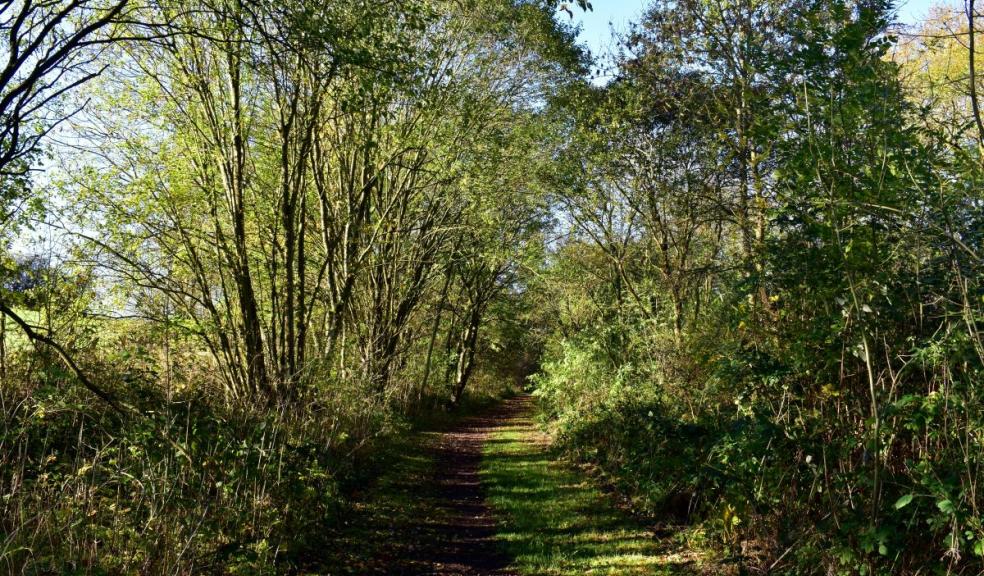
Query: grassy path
[554, 521]
[487, 497]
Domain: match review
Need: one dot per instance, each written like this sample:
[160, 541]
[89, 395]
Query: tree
[300, 180]
[50, 49]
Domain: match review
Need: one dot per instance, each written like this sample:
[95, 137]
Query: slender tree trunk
[3, 348]
[466, 355]
[434, 330]
[288, 365]
[972, 73]
[300, 331]
[677, 312]
[167, 351]
[468, 343]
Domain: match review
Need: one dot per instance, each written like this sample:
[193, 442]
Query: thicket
[766, 318]
[242, 246]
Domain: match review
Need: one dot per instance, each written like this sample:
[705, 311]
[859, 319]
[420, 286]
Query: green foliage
[187, 486]
[778, 341]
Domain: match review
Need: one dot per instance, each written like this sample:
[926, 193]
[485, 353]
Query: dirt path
[466, 541]
[428, 514]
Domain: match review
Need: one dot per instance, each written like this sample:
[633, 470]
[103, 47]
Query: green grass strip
[554, 521]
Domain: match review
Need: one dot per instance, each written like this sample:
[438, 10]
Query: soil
[466, 545]
[450, 529]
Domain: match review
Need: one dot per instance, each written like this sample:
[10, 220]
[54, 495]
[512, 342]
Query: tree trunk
[3, 348]
[466, 355]
[235, 179]
[434, 330]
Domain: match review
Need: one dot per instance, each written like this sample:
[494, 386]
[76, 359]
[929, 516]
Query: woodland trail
[467, 540]
[428, 516]
[486, 497]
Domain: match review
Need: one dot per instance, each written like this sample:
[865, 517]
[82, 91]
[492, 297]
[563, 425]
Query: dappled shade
[555, 520]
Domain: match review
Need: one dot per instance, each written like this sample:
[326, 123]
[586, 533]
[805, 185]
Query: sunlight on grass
[553, 522]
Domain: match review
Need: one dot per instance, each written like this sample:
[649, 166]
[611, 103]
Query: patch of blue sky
[600, 26]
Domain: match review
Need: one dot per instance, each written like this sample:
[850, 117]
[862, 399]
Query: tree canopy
[244, 246]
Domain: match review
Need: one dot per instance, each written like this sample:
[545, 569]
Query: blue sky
[616, 14]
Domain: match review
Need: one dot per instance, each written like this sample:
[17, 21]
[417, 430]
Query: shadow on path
[468, 536]
[428, 514]
[554, 520]
[487, 497]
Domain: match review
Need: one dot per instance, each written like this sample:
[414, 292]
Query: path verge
[554, 520]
